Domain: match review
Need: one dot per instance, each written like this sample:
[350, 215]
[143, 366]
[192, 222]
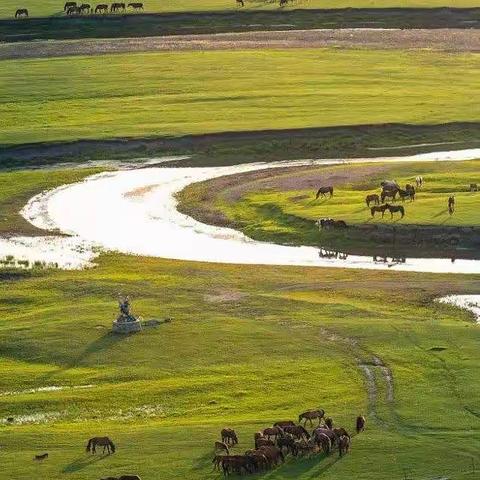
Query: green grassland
[55, 7]
[237, 353]
[266, 210]
[160, 94]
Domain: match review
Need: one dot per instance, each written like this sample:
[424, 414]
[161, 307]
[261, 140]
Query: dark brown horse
[360, 424]
[68, 5]
[394, 209]
[101, 8]
[392, 194]
[372, 198]
[310, 415]
[222, 447]
[43, 456]
[343, 445]
[229, 436]
[104, 442]
[297, 431]
[322, 191]
[378, 208]
[323, 442]
[136, 5]
[284, 423]
[116, 6]
[329, 423]
[474, 187]
[272, 432]
[21, 12]
[73, 11]
[85, 7]
[403, 194]
[451, 204]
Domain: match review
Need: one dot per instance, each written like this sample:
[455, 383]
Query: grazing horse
[68, 5]
[273, 454]
[104, 442]
[360, 424]
[323, 441]
[329, 423]
[263, 442]
[41, 457]
[403, 194]
[240, 3]
[309, 415]
[84, 7]
[229, 437]
[419, 181]
[21, 12]
[297, 431]
[378, 208]
[323, 191]
[394, 209]
[343, 445]
[136, 5]
[288, 443]
[451, 204]
[115, 7]
[223, 447]
[102, 8]
[272, 432]
[328, 223]
[474, 187]
[372, 198]
[388, 194]
[73, 11]
[340, 432]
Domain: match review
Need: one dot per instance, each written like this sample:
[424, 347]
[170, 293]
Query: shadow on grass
[82, 462]
[202, 462]
[442, 212]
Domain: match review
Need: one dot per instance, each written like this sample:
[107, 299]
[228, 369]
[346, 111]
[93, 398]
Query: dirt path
[452, 40]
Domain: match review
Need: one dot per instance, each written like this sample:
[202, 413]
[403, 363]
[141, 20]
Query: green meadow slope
[137, 95]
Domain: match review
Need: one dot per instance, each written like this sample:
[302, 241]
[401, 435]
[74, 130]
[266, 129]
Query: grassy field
[55, 7]
[280, 206]
[180, 93]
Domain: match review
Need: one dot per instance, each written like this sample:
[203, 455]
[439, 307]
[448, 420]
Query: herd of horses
[273, 444]
[72, 8]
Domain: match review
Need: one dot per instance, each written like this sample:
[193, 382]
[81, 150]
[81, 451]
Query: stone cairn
[126, 322]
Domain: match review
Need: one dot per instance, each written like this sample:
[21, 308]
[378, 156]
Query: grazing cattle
[104, 442]
[451, 204]
[69, 5]
[102, 7]
[43, 456]
[284, 423]
[229, 437]
[84, 7]
[297, 431]
[310, 415]
[419, 181]
[394, 209]
[372, 198]
[222, 447]
[21, 12]
[360, 424]
[274, 432]
[343, 445]
[473, 187]
[379, 208]
[136, 5]
[322, 191]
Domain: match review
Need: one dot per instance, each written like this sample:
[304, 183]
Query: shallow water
[467, 302]
[134, 212]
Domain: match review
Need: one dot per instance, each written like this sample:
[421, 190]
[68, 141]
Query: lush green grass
[278, 206]
[55, 7]
[188, 92]
[237, 353]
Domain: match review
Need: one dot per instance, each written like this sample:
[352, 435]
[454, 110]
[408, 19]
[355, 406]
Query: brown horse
[451, 204]
[101, 8]
[229, 437]
[394, 209]
[392, 194]
[68, 5]
[372, 198]
[223, 447]
[41, 457]
[343, 445]
[263, 442]
[341, 432]
[273, 454]
[474, 187]
[136, 5]
[116, 6]
[297, 431]
[104, 442]
[360, 424]
[329, 423]
[322, 191]
[310, 415]
[379, 208]
[403, 194]
[73, 11]
[272, 432]
[21, 12]
[84, 7]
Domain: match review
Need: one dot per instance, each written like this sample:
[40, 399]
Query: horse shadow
[82, 462]
[200, 463]
[441, 213]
